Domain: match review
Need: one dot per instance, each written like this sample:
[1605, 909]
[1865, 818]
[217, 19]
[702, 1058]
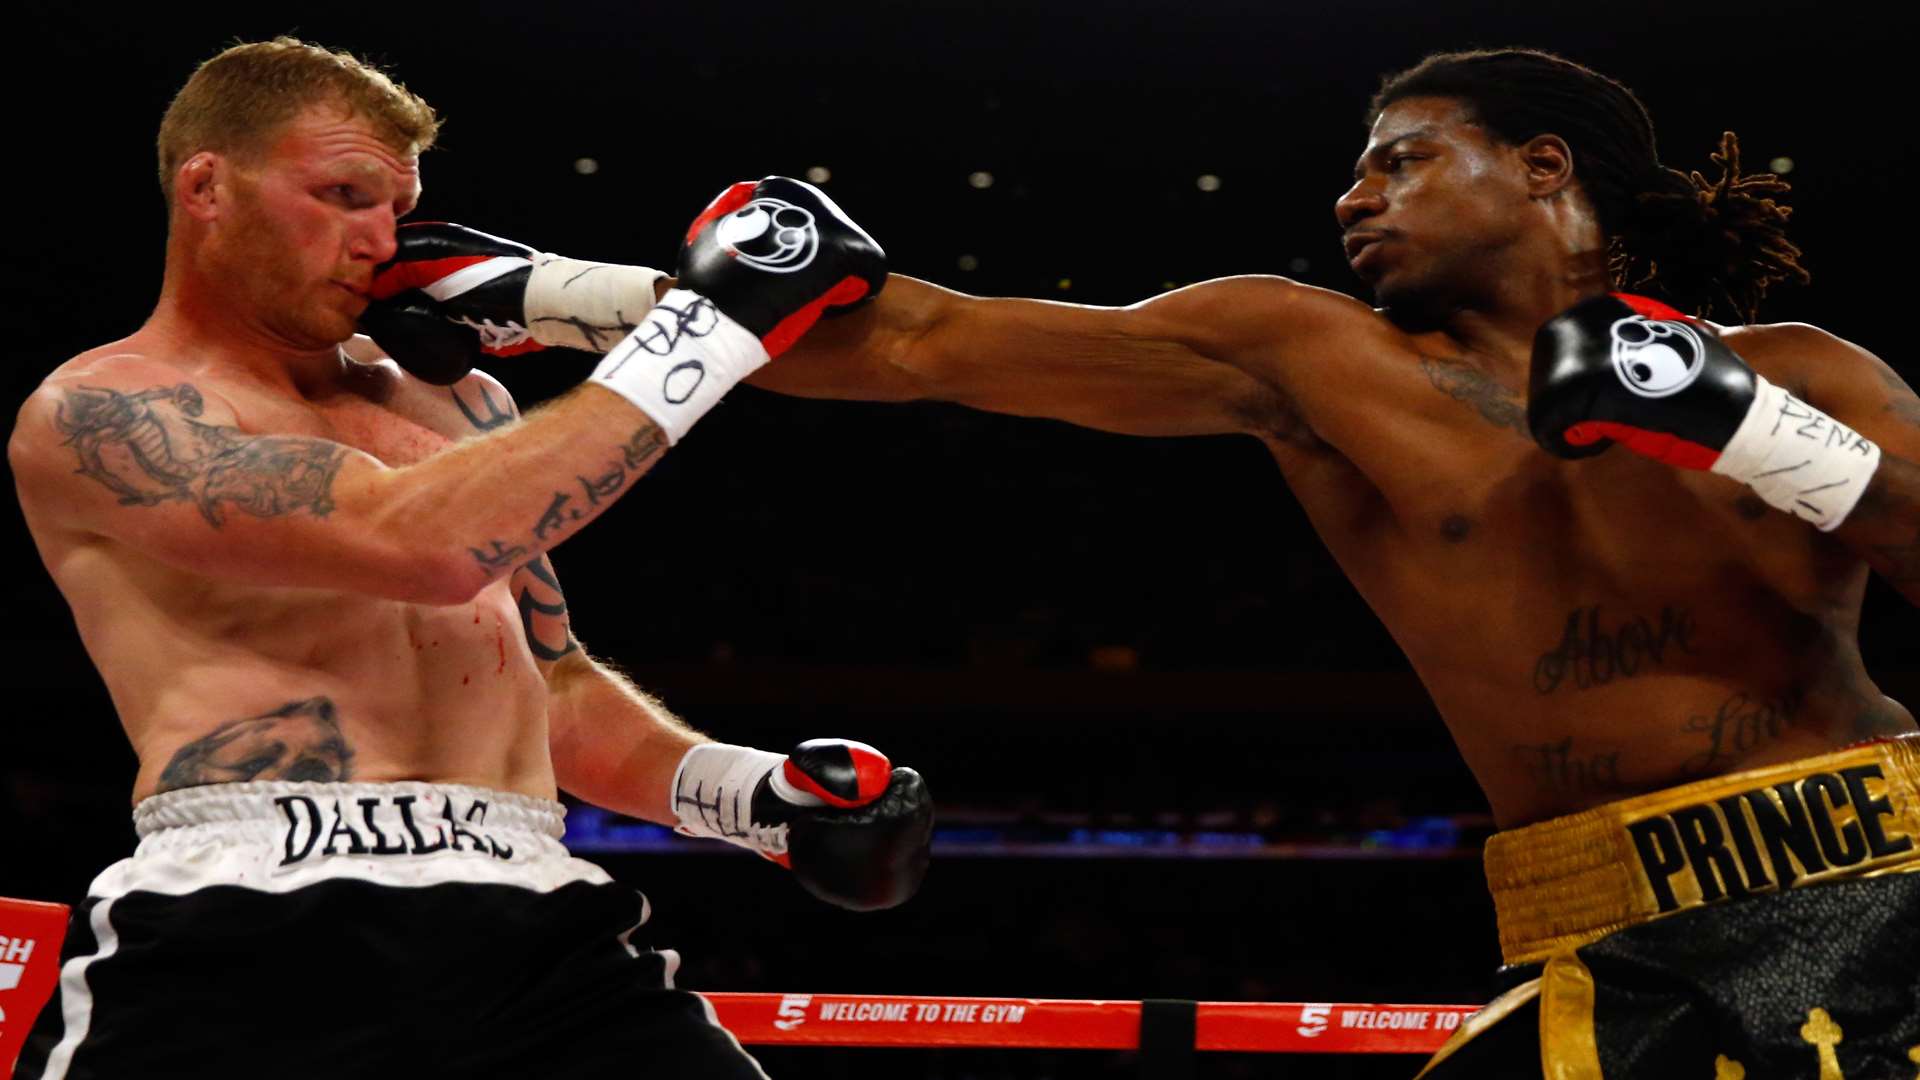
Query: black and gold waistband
[1571, 880]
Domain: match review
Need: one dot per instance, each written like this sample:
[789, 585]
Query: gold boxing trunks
[1583, 900]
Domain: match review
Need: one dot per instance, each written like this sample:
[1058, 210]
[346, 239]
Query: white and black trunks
[292, 930]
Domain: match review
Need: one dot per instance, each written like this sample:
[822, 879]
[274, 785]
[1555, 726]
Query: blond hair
[237, 101]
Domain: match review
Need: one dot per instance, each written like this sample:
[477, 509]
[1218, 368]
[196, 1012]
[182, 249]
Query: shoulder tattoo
[150, 447]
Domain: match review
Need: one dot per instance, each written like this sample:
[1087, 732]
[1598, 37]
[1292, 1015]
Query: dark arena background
[1175, 754]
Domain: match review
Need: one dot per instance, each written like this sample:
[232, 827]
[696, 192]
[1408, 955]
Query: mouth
[358, 292]
[1358, 243]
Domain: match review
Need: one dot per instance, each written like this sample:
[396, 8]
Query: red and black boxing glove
[758, 268]
[452, 296]
[1629, 370]
[855, 830]
[776, 254]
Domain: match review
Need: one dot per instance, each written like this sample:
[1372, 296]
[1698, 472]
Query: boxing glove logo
[770, 234]
[1656, 359]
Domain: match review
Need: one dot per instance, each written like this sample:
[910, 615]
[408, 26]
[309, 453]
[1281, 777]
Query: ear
[1549, 164]
[200, 185]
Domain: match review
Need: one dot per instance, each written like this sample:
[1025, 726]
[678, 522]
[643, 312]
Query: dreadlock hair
[1703, 243]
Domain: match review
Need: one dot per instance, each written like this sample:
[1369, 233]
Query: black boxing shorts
[290, 930]
[1756, 925]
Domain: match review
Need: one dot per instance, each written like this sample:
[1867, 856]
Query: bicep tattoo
[148, 448]
[486, 414]
[543, 610]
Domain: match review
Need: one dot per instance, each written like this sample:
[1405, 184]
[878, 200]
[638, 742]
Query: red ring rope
[890, 1020]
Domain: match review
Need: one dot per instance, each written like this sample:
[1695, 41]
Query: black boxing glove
[452, 296]
[775, 255]
[854, 830]
[1630, 370]
[758, 268]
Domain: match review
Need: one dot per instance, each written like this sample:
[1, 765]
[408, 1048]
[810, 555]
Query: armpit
[1268, 412]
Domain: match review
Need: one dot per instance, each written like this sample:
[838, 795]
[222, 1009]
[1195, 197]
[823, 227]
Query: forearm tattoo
[543, 610]
[1464, 384]
[567, 508]
[301, 740]
[148, 448]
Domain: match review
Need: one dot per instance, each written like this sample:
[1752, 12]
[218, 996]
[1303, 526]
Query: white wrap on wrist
[678, 362]
[1799, 459]
[713, 796]
[585, 305]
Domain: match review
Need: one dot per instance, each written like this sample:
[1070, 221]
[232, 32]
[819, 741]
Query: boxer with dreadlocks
[1648, 657]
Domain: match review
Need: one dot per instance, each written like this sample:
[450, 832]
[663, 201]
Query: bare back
[218, 680]
[1589, 629]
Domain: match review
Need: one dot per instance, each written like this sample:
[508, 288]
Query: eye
[348, 194]
[1393, 163]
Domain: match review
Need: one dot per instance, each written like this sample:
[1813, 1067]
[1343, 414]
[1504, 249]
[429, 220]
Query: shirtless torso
[225, 680]
[1589, 629]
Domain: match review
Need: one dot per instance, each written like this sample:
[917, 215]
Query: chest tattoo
[1469, 386]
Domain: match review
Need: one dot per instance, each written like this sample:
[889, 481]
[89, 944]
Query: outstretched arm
[1166, 366]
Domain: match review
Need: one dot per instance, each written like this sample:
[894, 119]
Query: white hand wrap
[713, 796]
[585, 305]
[678, 362]
[1798, 458]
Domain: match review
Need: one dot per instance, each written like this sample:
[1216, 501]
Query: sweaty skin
[218, 680]
[1588, 629]
[290, 560]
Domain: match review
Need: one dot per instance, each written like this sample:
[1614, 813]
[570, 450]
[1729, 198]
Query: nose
[373, 238]
[1361, 201]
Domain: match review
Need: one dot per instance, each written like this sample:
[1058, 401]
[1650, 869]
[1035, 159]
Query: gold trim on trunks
[1572, 880]
[1569, 1049]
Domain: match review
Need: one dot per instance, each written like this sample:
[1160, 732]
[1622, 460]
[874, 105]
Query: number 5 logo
[793, 1011]
[1313, 1019]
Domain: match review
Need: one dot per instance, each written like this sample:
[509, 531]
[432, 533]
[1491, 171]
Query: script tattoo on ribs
[148, 448]
[300, 740]
[1590, 655]
[1560, 767]
[1738, 726]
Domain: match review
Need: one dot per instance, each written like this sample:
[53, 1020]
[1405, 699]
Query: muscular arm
[138, 452]
[613, 745]
[1166, 366]
[1860, 390]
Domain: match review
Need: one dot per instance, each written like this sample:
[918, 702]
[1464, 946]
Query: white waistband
[279, 836]
[276, 801]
